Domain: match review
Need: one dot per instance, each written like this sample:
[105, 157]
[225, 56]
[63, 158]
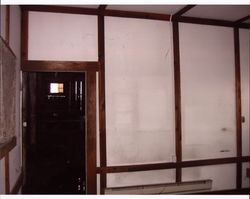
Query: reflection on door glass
[56, 87]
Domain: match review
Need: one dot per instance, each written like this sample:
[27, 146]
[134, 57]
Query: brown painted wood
[177, 91]
[59, 66]
[7, 24]
[204, 21]
[7, 173]
[60, 9]
[183, 10]
[139, 15]
[102, 7]
[91, 133]
[170, 165]
[239, 21]
[245, 159]
[24, 36]
[18, 184]
[102, 111]
[248, 172]
[238, 105]
[6, 147]
[227, 191]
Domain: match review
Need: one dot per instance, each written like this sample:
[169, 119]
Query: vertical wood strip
[24, 35]
[177, 91]
[7, 25]
[91, 133]
[7, 174]
[102, 112]
[238, 107]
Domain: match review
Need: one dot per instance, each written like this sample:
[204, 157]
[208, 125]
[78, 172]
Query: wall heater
[169, 188]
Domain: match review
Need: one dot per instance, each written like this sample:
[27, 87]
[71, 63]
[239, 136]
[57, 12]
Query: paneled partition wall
[139, 139]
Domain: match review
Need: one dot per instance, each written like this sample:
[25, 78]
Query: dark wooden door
[56, 158]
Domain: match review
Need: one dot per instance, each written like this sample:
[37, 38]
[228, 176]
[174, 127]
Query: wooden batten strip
[177, 89]
[102, 110]
[59, 66]
[7, 173]
[171, 165]
[183, 10]
[7, 25]
[238, 106]
[60, 9]
[239, 21]
[91, 133]
[24, 35]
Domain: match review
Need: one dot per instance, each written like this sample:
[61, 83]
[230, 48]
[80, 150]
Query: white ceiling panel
[160, 9]
[222, 12]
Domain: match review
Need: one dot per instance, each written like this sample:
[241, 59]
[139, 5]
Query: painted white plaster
[64, 37]
[223, 176]
[245, 179]
[140, 178]
[245, 65]
[139, 91]
[208, 92]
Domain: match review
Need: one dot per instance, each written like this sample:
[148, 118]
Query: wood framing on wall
[102, 110]
[238, 107]
[92, 67]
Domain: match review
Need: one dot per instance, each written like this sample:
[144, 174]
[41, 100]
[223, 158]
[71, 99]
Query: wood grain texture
[59, 66]
[102, 110]
[91, 133]
[238, 106]
[177, 96]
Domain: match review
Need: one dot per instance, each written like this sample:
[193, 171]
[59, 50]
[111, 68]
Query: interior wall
[62, 37]
[245, 63]
[139, 97]
[208, 92]
[14, 42]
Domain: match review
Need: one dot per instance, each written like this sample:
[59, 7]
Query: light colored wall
[245, 63]
[139, 98]
[15, 154]
[64, 37]
[3, 21]
[208, 92]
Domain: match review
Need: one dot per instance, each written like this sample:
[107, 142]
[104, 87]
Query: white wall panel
[140, 178]
[208, 92]
[65, 37]
[223, 176]
[245, 65]
[139, 91]
[245, 179]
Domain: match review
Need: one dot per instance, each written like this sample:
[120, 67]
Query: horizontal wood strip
[170, 165]
[6, 147]
[183, 10]
[139, 15]
[215, 22]
[18, 184]
[59, 66]
[61, 9]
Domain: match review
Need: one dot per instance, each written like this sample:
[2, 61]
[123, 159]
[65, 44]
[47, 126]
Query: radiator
[169, 188]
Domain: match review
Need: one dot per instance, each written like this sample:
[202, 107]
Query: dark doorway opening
[55, 138]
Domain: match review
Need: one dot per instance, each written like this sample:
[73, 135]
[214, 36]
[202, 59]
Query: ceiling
[220, 12]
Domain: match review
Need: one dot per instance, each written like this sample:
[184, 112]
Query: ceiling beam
[183, 10]
[102, 7]
[239, 21]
